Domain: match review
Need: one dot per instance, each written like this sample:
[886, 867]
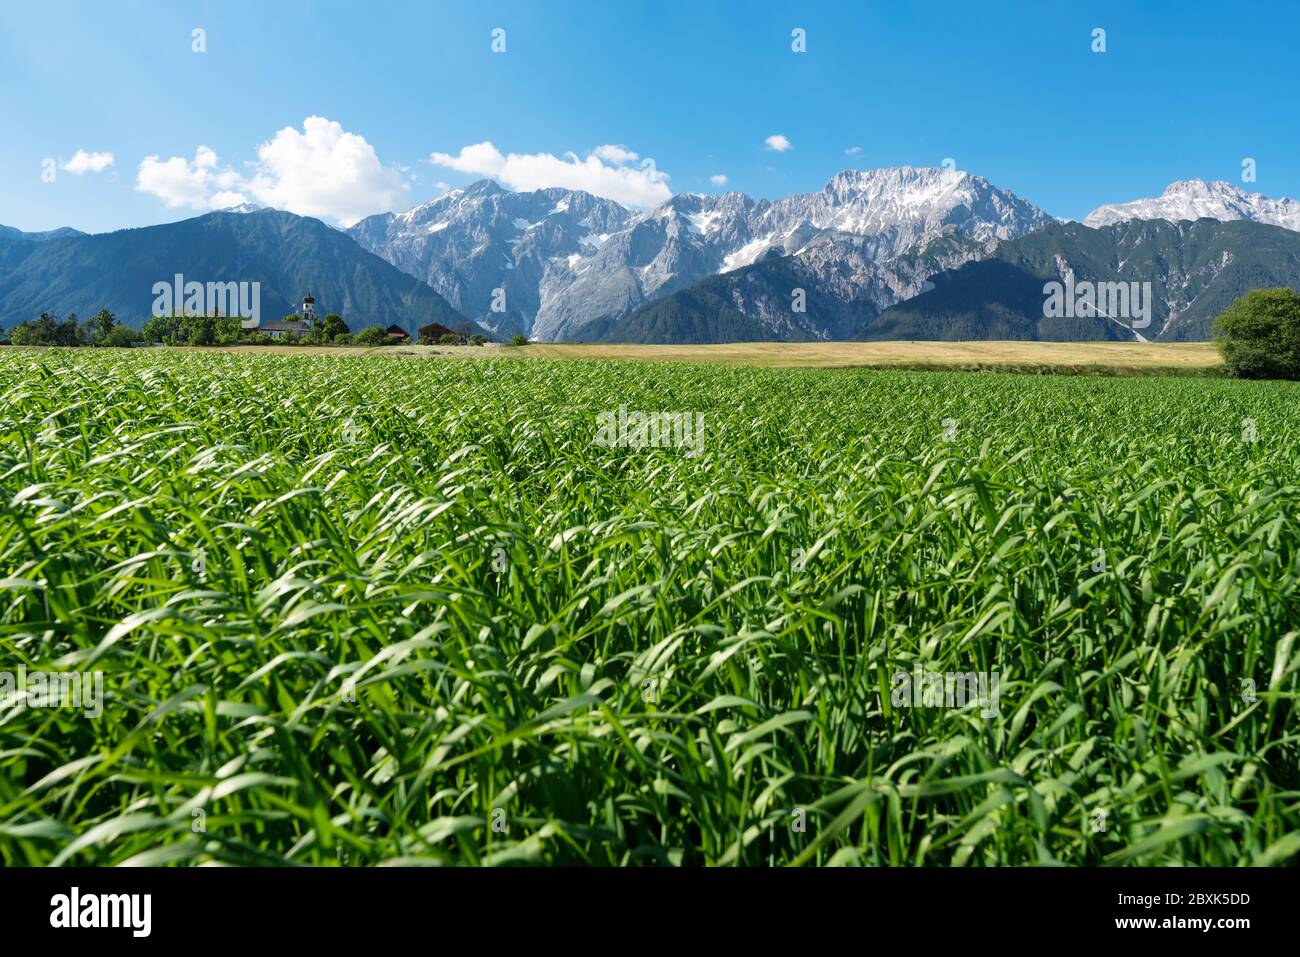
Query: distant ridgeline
[905, 253]
[1189, 272]
[271, 254]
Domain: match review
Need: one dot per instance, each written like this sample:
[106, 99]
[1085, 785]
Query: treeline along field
[364, 610]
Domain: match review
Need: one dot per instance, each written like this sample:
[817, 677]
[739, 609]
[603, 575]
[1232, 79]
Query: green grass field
[361, 610]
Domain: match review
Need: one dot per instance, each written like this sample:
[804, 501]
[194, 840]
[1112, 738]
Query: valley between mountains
[899, 253]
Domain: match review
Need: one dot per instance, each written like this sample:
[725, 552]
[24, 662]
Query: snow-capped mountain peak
[1198, 199]
[490, 247]
[589, 259]
[903, 203]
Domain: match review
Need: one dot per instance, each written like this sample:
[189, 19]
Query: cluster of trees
[1259, 334]
[332, 329]
[371, 336]
[47, 329]
[179, 330]
[191, 330]
[187, 330]
[453, 339]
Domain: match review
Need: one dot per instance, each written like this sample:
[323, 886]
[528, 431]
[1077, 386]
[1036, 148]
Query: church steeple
[309, 309]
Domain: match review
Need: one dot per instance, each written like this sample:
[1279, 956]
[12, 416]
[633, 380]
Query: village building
[286, 328]
[396, 333]
[434, 331]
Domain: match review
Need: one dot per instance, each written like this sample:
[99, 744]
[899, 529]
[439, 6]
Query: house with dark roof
[434, 331]
[281, 328]
[396, 333]
[277, 328]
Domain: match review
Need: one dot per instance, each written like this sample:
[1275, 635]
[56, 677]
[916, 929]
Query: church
[281, 328]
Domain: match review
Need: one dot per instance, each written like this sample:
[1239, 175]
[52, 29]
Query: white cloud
[778, 143]
[227, 198]
[322, 171]
[853, 151]
[641, 186]
[83, 162]
[615, 154]
[197, 183]
[719, 180]
[325, 171]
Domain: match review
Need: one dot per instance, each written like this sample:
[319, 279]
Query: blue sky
[1011, 91]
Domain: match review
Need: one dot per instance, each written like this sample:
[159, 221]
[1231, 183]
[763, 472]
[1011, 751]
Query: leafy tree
[334, 326]
[119, 336]
[68, 332]
[159, 329]
[477, 340]
[518, 341]
[315, 336]
[199, 330]
[1259, 335]
[228, 331]
[449, 339]
[372, 336]
[102, 323]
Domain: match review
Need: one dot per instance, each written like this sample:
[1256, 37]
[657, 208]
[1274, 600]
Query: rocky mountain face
[1193, 199]
[890, 253]
[573, 266]
[830, 289]
[1195, 270]
[471, 242]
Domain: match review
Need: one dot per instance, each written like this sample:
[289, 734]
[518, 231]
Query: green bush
[1259, 335]
[518, 341]
[372, 336]
[333, 327]
[119, 336]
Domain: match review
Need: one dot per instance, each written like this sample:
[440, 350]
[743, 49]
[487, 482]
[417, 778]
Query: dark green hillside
[1195, 269]
[289, 255]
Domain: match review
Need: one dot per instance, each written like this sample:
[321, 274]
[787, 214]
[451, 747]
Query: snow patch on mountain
[577, 282]
[1194, 199]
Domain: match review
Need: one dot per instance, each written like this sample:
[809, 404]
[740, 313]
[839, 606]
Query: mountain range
[9, 232]
[573, 266]
[1195, 270]
[1194, 199]
[889, 253]
[289, 255]
[470, 242]
[947, 287]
